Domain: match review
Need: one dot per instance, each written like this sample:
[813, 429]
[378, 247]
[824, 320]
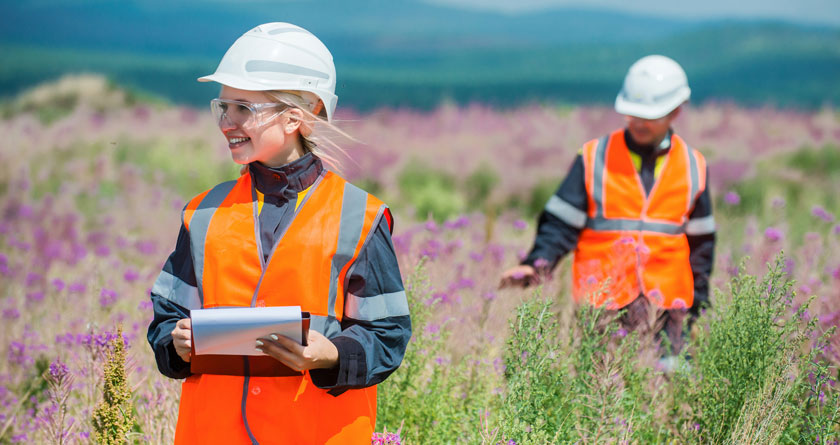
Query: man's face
[650, 131]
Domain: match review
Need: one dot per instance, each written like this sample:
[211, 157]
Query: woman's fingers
[281, 349]
[182, 338]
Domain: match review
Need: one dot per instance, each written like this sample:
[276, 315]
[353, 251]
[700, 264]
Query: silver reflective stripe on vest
[633, 225]
[349, 233]
[328, 326]
[199, 224]
[695, 177]
[177, 291]
[700, 226]
[599, 165]
[566, 212]
[392, 304]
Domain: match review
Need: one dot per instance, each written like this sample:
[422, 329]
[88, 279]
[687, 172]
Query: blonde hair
[317, 142]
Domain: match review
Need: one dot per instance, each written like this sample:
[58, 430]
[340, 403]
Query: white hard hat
[279, 56]
[654, 86]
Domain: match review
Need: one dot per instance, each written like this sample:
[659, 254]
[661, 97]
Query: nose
[226, 124]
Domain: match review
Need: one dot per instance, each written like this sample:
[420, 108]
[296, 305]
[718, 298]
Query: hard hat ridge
[279, 56]
[654, 86]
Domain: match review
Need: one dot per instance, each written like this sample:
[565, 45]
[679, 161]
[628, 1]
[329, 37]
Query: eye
[222, 106]
[242, 108]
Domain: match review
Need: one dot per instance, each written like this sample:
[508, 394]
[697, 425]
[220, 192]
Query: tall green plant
[753, 336]
[430, 398]
[113, 418]
[574, 383]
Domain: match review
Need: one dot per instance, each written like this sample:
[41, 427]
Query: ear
[675, 112]
[293, 121]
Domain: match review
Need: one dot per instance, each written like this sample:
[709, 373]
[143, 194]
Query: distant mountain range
[409, 53]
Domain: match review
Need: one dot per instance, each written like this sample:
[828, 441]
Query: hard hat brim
[248, 85]
[649, 111]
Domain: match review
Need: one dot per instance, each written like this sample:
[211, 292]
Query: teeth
[238, 140]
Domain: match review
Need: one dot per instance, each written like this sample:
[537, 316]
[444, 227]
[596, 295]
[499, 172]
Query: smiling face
[650, 131]
[272, 139]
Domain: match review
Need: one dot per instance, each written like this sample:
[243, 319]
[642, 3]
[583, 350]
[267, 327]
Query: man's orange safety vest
[633, 242]
[308, 268]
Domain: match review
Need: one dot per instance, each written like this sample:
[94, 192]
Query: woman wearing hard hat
[288, 232]
[635, 209]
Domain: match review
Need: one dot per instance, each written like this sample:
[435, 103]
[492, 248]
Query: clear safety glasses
[243, 114]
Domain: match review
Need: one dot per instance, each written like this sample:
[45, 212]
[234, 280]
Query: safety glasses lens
[238, 113]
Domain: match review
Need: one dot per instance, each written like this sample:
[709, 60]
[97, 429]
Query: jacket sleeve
[376, 325]
[562, 219]
[700, 231]
[175, 283]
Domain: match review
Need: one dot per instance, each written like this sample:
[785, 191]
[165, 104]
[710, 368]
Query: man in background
[636, 210]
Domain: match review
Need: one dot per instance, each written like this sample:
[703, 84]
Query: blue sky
[825, 12]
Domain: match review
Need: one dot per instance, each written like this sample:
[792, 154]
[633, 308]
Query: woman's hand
[319, 353]
[182, 338]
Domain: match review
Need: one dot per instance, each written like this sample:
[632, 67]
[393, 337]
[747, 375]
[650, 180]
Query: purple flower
[102, 251]
[131, 275]
[145, 305]
[35, 297]
[520, 224]
[778, 202]
[430, 226]
[540, 263]
[476, 256]
[77, 287]
[773, 234]
[620, 333]
[822, 214]
[58, 284]
[58, 370]
[732, 198]
[837, 229]
[459, 223]
[107, 297]
[145, 247]
[789, 265]
[489, 295]
[11, 314]
[17, 354]
[32, 278]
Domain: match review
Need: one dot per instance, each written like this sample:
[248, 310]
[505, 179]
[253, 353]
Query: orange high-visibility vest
[307, 268]
[635, 243]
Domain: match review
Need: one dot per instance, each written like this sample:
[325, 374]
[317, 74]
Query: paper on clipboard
[234, 331]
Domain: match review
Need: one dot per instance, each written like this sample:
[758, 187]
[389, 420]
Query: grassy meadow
[92, 181]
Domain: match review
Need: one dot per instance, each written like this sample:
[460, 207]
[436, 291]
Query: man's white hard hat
[279, 56]
[654, 86]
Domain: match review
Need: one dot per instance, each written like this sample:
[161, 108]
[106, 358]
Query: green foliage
[746, 379]
[478, 186]
[584, 384]
[822, 162]
[35, 384]
[431, 397]
[113, 418]
[431, 193]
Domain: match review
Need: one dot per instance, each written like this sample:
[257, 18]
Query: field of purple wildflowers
[90, 198]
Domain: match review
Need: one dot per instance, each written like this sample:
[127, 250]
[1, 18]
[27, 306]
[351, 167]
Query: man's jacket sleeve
[700, 231]
[561, 221]
[376, 325]
[177, 273]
